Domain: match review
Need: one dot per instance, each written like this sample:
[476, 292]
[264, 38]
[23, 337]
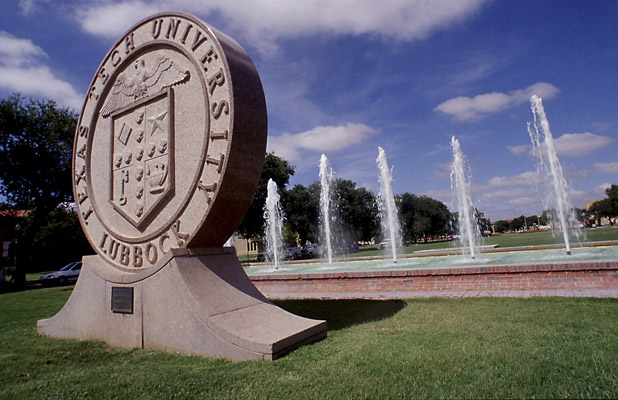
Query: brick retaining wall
[579, 277]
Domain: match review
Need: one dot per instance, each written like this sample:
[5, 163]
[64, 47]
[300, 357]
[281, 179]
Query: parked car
[292, 253]
[385, 244]
[67, 274]
[288, 253]
[311, 250]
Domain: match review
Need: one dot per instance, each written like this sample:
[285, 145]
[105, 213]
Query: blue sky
[344, 77]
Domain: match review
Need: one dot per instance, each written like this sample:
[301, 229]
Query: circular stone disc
[170, 144]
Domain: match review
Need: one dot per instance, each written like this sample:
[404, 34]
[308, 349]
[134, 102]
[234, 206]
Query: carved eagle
[128, 89]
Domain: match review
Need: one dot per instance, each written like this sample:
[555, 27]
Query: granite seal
[169, 147]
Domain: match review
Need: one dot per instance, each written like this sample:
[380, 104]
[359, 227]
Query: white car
[67, 274]
[291, 253]
[312, 250]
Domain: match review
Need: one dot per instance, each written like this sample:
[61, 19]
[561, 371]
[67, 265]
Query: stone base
[198, 301]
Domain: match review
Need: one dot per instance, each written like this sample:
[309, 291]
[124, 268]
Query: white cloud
[26, 6]
[16, 52]
[524, 201]
[608, 167]
[323, 139]
[111, 19]
[569, 144]
[601, 126]
[263, 22]
[525, 178]
[511, 194]
[465, 108]
[600, 189]
[519, 150]
[580, 144]
[22, 70]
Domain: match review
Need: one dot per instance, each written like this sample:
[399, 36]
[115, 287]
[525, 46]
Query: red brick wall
[540, 279]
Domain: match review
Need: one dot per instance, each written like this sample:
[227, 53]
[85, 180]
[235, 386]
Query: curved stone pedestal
[198, 301]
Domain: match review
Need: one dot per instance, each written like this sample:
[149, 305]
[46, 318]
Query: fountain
[549, 164]
[326, 182]
[423, 261]
[516, 271]
[273, 215]
[539, 270]
[386, 205]
[468, 228]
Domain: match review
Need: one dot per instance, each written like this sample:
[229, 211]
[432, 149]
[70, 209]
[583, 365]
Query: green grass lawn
[426, 348]
[509, 240]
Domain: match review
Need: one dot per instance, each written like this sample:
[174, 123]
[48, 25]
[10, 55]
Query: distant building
[587, 204]
[246, 247]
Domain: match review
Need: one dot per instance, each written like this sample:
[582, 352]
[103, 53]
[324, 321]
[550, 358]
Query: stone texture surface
[167, 155]
[170, 143]
[196, 304]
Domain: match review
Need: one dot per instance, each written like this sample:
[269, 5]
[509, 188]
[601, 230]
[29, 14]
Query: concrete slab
[195, 304]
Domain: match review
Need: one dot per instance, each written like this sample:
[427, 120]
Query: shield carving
[142, 164]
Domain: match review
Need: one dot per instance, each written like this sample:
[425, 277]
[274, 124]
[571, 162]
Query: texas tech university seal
[168, 152]
[170, 144]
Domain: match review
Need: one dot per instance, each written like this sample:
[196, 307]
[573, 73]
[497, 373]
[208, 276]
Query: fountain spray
[326, 183]
[273, 215]
[468, 228]
[550, 164]
[386, 204]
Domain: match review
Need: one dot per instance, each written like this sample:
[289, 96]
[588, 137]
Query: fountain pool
[503, 256]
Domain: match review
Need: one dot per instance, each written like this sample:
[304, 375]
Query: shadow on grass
[341, 314]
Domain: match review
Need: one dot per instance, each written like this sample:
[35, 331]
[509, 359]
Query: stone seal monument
[167, 155]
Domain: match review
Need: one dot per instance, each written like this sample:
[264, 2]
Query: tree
[280, 171]
[517, 223]
[356, 211]
[607, 207]
[58, 241]
[612, 196]
[36, 140]
[501, 226]
[301, 206]
[422, 216]
[599, 209]
[484, 223]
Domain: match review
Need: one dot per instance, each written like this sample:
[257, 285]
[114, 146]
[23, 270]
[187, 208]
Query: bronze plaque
[122, 300]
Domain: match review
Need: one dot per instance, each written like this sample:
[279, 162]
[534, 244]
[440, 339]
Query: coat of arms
[142, 165]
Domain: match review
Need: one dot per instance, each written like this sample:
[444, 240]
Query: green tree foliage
[612, 196]
[355, 208]
[501, 226]
[483, 223]
[601, 208]
[517, 223]
[356, 212]
[301, 206]
[607, 207]
[36, 140]
[422, 217]
[280, 171]
[59, 241]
